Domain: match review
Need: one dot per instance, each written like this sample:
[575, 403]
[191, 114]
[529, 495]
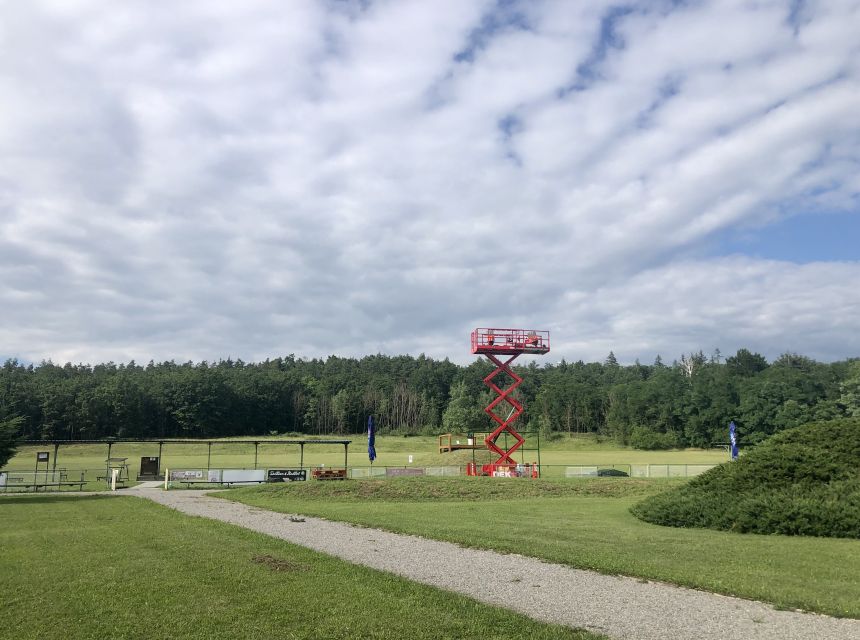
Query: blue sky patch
[799, 239]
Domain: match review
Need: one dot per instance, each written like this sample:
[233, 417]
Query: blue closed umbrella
[734, 440]
[371, 439]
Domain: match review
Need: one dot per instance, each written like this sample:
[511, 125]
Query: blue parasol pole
[733, 438]
[371, 440]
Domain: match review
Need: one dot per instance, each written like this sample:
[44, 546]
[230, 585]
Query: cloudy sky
[199, 180]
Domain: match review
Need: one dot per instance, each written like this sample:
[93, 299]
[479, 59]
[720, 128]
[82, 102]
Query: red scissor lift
[502, 347]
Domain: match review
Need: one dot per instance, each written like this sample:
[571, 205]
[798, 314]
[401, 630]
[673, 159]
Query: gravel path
[615, 606]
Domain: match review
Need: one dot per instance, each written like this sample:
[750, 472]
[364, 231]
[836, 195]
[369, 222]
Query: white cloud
[727, 303]
[262, 178]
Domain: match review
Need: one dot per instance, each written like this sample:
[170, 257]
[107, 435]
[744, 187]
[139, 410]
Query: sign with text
[190, 474]
[43, 456]
[286, 475]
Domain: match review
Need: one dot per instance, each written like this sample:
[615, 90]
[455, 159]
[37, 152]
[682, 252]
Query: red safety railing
[502, 341]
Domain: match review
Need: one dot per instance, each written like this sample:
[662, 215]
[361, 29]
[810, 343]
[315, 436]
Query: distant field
[391, 451]
[587, 524]
[127, 568]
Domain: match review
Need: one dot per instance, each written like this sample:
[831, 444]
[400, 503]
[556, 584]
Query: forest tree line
[686, 403]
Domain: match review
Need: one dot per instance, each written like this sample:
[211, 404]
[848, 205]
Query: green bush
[9, 438]
[803, 481]
[642, 438]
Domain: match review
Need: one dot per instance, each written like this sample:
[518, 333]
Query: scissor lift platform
[502, 347]
[502, 342]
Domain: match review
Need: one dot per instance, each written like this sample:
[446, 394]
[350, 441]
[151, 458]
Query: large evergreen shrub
[803, 481]
[9, 438]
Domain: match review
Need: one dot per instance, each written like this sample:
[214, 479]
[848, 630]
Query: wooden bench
[328, 474]
[188, 483]
[449, 442]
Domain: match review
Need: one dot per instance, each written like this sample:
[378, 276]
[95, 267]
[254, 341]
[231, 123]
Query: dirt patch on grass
[277, 564]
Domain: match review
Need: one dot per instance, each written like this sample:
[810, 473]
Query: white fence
[383, 472]
[638, 470]
[580, 471]
[13, 479]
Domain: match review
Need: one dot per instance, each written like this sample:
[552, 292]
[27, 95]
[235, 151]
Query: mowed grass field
[391, 451]
[123, 567]
[587, 524]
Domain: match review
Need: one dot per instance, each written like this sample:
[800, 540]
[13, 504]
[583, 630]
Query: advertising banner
[406, 471]
[286, 475]
[181, 474]
[243, 475]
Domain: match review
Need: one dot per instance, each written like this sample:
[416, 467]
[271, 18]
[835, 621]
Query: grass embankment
[587, 524]
[123, 567]
[802, 481]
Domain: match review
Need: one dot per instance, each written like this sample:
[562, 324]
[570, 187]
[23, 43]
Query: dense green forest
[687, 403]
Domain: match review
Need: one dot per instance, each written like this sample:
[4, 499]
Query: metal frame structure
[207, 441]
[512, 343]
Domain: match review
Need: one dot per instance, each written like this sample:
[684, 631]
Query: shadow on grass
[31, 498]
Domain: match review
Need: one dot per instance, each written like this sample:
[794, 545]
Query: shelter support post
[538, 452]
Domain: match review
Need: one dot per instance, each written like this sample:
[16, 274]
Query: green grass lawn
[104, 567]
[586, 524]
[391, 450]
